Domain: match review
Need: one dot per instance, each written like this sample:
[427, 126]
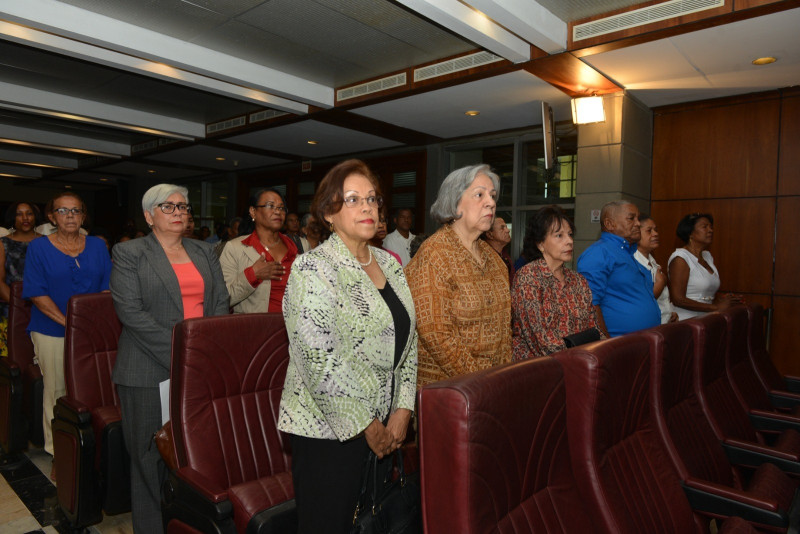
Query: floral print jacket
[341, 345]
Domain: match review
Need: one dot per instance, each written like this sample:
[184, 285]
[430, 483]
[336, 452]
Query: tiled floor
[28, 502]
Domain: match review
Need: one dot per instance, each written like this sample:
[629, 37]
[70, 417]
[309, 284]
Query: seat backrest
[619, 462]
[227, 377]
[20, 347]
[90, 349]
[746, 385]
[683, 428]
[494, 453]
[727, 416]
[759, 356]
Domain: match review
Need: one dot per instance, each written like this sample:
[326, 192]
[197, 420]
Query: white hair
[445, 209]
[160, 193]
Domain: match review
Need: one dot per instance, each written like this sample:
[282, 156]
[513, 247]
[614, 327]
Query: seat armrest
[208, 489]
[717, 500]
[9, 368]
[783, 399]
[751, 454]
[72, 411]
[792, 383]
[764, 421]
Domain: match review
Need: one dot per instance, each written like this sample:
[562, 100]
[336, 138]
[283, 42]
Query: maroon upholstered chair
[234, 471]
[704, 464]
[494, 453]
[91, 460]
[619, 461]
[750, 391]
[20, 381]
[722, 407]
[768, 375]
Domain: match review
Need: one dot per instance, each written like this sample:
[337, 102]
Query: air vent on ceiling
[266, 114]
[144, 146]
[374, 86]
[226, 125]
[454, 65]
[165, 141]
[640, 17]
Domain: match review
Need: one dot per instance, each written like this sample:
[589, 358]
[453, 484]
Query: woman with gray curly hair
[459, 283]
[156, 281]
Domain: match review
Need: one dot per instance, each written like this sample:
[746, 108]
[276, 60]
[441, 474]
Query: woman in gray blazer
[156, 281]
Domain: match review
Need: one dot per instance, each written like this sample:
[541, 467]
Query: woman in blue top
[58, 266]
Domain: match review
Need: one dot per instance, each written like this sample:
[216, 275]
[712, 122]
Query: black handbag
[582, 338]
[390, 506]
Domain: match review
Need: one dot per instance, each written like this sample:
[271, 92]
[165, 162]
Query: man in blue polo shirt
[622, 289]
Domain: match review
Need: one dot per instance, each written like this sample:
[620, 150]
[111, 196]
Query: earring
[332, 229]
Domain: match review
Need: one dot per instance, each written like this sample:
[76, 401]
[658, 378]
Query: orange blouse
[463, 307]
[192, 288]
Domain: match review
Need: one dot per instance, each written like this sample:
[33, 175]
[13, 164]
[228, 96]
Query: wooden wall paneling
[789, 177]
[784, 342]
[743, 238]
[738, 5]
[787, 253]
[714, 152]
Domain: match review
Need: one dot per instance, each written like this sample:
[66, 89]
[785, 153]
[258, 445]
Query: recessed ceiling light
[312, 142]
[764, 60]
[103, 179]
[220, 159]
[472, 113]
[67, 187]
[151, 171]
[223, 198]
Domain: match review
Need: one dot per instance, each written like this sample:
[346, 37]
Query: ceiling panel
[205, 156]
[709, 63]
[505, 102]
[571, 10]
[332, 140]
[132, 169]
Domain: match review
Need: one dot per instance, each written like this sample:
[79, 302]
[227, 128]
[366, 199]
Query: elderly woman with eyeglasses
[256, 267]
[156, 282]
[63, 264]
[350, 383]
[460, 284]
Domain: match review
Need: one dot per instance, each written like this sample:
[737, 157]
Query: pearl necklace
[370, 259]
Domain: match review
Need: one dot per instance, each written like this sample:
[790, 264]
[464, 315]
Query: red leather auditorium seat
[765, 370]
[728, 418]
[92, 462]
[234, 470]
[713, 485]
[20, 381]
[494, 453]
[752, 395]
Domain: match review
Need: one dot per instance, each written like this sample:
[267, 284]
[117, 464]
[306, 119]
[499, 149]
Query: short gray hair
[304, 220]
[610, 209]
[445, 209]
[160, 193]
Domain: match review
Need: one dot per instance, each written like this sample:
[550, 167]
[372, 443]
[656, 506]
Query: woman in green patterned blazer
[351, 381]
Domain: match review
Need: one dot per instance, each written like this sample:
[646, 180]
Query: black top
[402, 322]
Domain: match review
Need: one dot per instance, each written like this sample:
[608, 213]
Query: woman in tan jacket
[256, 267]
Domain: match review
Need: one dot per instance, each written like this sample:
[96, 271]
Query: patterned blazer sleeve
[311, 310]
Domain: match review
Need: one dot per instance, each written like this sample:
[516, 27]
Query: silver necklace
[370, 259]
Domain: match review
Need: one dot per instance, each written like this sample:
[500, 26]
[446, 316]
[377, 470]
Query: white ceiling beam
[137, 65]
[8, 155]
[473, 26]
[81, 144]
[22, 98]
[74, 23]
[529, 20]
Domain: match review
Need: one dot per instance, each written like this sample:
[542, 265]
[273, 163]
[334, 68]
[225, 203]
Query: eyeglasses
[271, 206]
[355, 201]
[65, 211]
[169, 207]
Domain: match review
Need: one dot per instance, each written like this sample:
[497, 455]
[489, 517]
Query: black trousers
[327, 477]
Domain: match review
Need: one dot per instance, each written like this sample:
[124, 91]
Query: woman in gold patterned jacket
[459, 284]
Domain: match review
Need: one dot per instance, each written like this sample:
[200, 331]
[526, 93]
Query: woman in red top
[256, 267]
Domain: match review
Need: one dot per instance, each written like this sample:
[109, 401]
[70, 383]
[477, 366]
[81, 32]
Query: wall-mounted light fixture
[587, 110]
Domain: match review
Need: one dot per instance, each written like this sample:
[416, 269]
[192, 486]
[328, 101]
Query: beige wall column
[614, 163]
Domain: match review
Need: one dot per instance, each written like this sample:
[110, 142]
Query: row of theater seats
[658, 431]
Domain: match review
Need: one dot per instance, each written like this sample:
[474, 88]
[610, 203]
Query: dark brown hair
[539, 226]
[329, 197]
